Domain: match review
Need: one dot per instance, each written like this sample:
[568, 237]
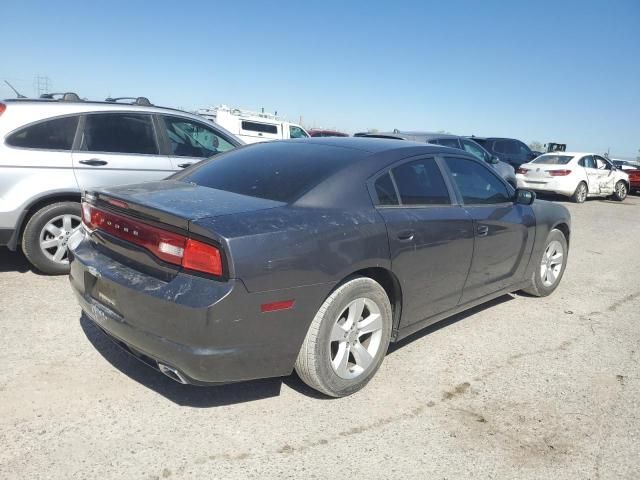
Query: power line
[41, 84]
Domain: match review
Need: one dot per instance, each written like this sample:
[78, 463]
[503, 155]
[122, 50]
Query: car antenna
[18, 94]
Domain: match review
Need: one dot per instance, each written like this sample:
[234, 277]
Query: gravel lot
[519, 388]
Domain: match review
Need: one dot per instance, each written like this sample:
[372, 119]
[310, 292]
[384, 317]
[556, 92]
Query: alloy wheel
[54, 237]
[551, 264]
[355, 338]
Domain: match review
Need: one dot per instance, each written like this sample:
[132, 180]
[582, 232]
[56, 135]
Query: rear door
[593, 176]
[189, 141]
[430, 238]
[118, 148]
[503, 230]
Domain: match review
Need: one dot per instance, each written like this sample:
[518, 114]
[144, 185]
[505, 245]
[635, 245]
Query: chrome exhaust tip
[172, 373]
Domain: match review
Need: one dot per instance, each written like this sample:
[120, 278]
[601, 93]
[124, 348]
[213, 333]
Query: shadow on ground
[13, 261]
[215, 396]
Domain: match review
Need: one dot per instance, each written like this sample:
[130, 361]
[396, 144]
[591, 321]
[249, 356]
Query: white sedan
[573, 174]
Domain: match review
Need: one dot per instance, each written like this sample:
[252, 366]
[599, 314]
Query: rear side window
[385, 191]
[421, 183]
[259, 127]
[587, 162]
[477, 184]
[271, 170]
[55, 134]
[449, 142]
[119, 133]
[505, 146]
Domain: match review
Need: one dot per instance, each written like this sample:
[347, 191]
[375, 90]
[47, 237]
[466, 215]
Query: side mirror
[524, 197]
[494, 160]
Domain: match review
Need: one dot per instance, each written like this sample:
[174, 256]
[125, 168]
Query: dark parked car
[509, 150]
[309, 254]
[505, 170]
[319, 132]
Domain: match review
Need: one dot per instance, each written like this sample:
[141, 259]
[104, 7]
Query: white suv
[52, 149]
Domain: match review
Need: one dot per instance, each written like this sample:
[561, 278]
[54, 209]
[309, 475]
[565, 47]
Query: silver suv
[53, 148]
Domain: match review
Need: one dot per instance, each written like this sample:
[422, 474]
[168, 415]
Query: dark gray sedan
[307, 254]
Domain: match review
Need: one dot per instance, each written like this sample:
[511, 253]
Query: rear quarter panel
[295, 246]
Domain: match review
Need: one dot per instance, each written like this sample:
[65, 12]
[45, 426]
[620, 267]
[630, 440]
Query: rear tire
[620, 191]
[550, 265]
[44, 240]
[580, 195]
[347, 340]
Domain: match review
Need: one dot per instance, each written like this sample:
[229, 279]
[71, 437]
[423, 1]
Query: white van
[252, 127]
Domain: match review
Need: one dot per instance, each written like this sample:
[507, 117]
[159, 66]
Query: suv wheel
[347, 339]
[44, 240]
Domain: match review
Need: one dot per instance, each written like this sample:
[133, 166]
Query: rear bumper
[558, 186]
[211, 332]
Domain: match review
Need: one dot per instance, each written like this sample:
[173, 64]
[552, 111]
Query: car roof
[370, 144]
[417, 136]
[572, 154]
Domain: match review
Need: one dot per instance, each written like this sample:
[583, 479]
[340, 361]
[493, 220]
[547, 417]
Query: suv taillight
[168, 246]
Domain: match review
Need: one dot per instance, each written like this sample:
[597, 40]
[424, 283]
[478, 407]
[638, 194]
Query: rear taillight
[558, 173]
[168, 246]
[3, 107]
[522, 171]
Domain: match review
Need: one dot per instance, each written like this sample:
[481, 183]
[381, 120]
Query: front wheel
[620, 191]
[347, 339]
[548, 273]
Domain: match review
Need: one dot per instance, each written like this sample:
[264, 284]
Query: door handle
[482, 230]
[184, 165]
[406, 236]
[94, 162]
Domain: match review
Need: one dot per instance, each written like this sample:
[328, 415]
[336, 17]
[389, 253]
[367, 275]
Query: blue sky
[547, 71]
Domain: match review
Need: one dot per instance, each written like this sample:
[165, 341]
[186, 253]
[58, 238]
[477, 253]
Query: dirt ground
[518, 388]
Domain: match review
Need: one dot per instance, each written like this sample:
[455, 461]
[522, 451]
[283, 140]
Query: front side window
[55, 134]
[192, 139]
[601, 163]
[421, 183]
[385, 191]
[477, 184]
[476, 150]
[522, 148]
[259, 127]
[119, 133]
[297, 132]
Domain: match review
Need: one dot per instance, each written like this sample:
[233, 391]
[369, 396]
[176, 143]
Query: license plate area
[105, 293]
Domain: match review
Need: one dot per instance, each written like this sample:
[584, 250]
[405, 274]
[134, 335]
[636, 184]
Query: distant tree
[638, 157]
[444, 132]
[373, 130]
[536, 146]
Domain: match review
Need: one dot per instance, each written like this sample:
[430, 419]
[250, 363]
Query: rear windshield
[275, 171]
[553, 159]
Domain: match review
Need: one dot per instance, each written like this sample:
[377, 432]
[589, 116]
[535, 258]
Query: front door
[503, 230]
[118, 148]
[431, 239]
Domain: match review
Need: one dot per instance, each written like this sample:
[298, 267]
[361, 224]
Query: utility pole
[41, 84]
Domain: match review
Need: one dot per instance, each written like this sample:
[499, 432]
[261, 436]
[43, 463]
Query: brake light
[522, 171]
[202, 257]
[558, 173]
[3, 107]
[168, 246]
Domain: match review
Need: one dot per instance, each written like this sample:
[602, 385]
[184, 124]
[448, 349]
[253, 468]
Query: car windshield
[553, 159]
[275, 171]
